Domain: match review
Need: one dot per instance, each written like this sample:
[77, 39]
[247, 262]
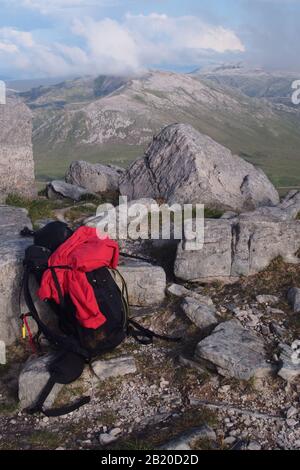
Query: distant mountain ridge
[112, 119]
[253, 82]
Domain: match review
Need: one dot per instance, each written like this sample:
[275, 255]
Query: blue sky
[43, 38]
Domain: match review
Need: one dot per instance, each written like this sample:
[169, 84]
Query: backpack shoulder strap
[56, 376]
[54, 412]
[124, 295]
[145, 336]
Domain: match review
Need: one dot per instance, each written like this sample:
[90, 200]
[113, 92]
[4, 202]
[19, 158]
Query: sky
[51, 38]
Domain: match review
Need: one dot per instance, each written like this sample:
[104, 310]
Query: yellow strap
[124, 292]
[23, 331]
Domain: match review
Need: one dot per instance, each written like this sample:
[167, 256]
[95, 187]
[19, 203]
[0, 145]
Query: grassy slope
[53, 164]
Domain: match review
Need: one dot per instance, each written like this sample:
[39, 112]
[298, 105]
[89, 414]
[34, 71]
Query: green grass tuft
[213, 213]
[132, 444]
[8, 408]
[45, 439]
[78, 212]
[37, 208]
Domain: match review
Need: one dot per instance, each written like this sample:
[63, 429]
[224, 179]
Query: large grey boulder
[33, 379]
[182, 165]
[12, 248]
[16, 157]
[234, 352]
[59, 189]
[244, 245]
[146, 283]
[96, 178]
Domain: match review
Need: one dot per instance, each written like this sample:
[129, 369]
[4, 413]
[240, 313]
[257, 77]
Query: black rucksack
[77, 345]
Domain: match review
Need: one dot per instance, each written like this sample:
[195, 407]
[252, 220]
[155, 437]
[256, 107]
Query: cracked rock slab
[57, 189]
[115, 367]
[146, 283]
[188, 440]
[201, 313]
[234, 352]
[213, 260]
[244, 245]
[180, 291]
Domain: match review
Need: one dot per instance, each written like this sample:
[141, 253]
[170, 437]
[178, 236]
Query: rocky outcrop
[184, 166]
[16, 157]
[12, 248]
[213, 260]
[96, 178]
[59, 189]
[146, 283]
[234, 352]
[244, 245]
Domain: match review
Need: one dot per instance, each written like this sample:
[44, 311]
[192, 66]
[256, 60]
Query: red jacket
[84, 251]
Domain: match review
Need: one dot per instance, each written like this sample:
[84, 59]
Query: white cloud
[21, 52]
[109, 45]
[142, 40]
[23, 38]
[117, 47]
[8, 48]
[162, 38]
